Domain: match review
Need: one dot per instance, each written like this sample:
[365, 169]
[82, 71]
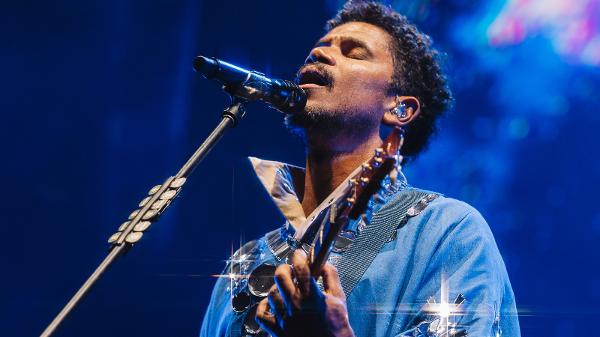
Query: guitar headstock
[369, 179]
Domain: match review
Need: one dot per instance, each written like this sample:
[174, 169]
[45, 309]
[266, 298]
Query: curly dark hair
[417, 71]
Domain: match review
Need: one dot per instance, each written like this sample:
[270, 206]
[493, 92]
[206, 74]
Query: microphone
[285, 96]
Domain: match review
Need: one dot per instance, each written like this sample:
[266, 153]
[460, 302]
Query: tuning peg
[377, 161]
[350, 200]
[366, 167]
[364, 180]
[378, 152]
[353, 182]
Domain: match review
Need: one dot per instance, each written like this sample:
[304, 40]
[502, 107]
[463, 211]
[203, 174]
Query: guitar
[319, 239]
[364, 185]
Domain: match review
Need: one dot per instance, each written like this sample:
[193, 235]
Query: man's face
[347, 77]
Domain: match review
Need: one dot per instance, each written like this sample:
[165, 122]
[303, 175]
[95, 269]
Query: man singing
[415, 263]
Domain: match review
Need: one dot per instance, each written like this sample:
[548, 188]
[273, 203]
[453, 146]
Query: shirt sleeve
[464, 289]
[220, 319]
[212, 324]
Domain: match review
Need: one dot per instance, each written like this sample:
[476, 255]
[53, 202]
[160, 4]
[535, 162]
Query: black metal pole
[131, 233]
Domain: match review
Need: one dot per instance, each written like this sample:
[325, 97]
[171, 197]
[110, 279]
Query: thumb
[331, 282]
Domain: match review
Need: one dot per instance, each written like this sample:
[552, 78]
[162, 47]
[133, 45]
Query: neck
[328, 165]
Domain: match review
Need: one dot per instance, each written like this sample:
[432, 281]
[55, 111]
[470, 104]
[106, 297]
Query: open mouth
[311, 78]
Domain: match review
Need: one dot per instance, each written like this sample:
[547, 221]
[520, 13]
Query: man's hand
[297, 307]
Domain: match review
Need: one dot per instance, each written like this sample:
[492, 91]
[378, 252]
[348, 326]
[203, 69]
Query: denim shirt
[440, 275]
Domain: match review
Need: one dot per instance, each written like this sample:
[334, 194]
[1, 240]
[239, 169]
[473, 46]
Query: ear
[412, 110]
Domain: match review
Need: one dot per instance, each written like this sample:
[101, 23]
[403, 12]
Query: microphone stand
[159, 198]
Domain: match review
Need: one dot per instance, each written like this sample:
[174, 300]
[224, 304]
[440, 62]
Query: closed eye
[357, 53]
[355, 49]
[349, 46]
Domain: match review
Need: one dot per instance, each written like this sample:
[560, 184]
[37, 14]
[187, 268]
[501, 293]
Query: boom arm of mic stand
[151, 207]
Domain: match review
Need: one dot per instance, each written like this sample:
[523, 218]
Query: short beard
[329, 125]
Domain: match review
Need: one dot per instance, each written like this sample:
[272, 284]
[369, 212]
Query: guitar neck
[319, 256]
[350, 209]
[364, 186]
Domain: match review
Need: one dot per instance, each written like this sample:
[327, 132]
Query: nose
[320, 55]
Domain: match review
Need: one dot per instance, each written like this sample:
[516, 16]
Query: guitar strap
[393, 214]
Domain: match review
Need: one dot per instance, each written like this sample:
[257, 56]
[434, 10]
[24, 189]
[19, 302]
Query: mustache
[320, 68]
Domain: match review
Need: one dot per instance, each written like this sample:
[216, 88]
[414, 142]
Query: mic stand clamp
[150, 208]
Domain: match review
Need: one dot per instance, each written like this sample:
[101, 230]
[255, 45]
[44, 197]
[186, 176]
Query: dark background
[99, 103]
